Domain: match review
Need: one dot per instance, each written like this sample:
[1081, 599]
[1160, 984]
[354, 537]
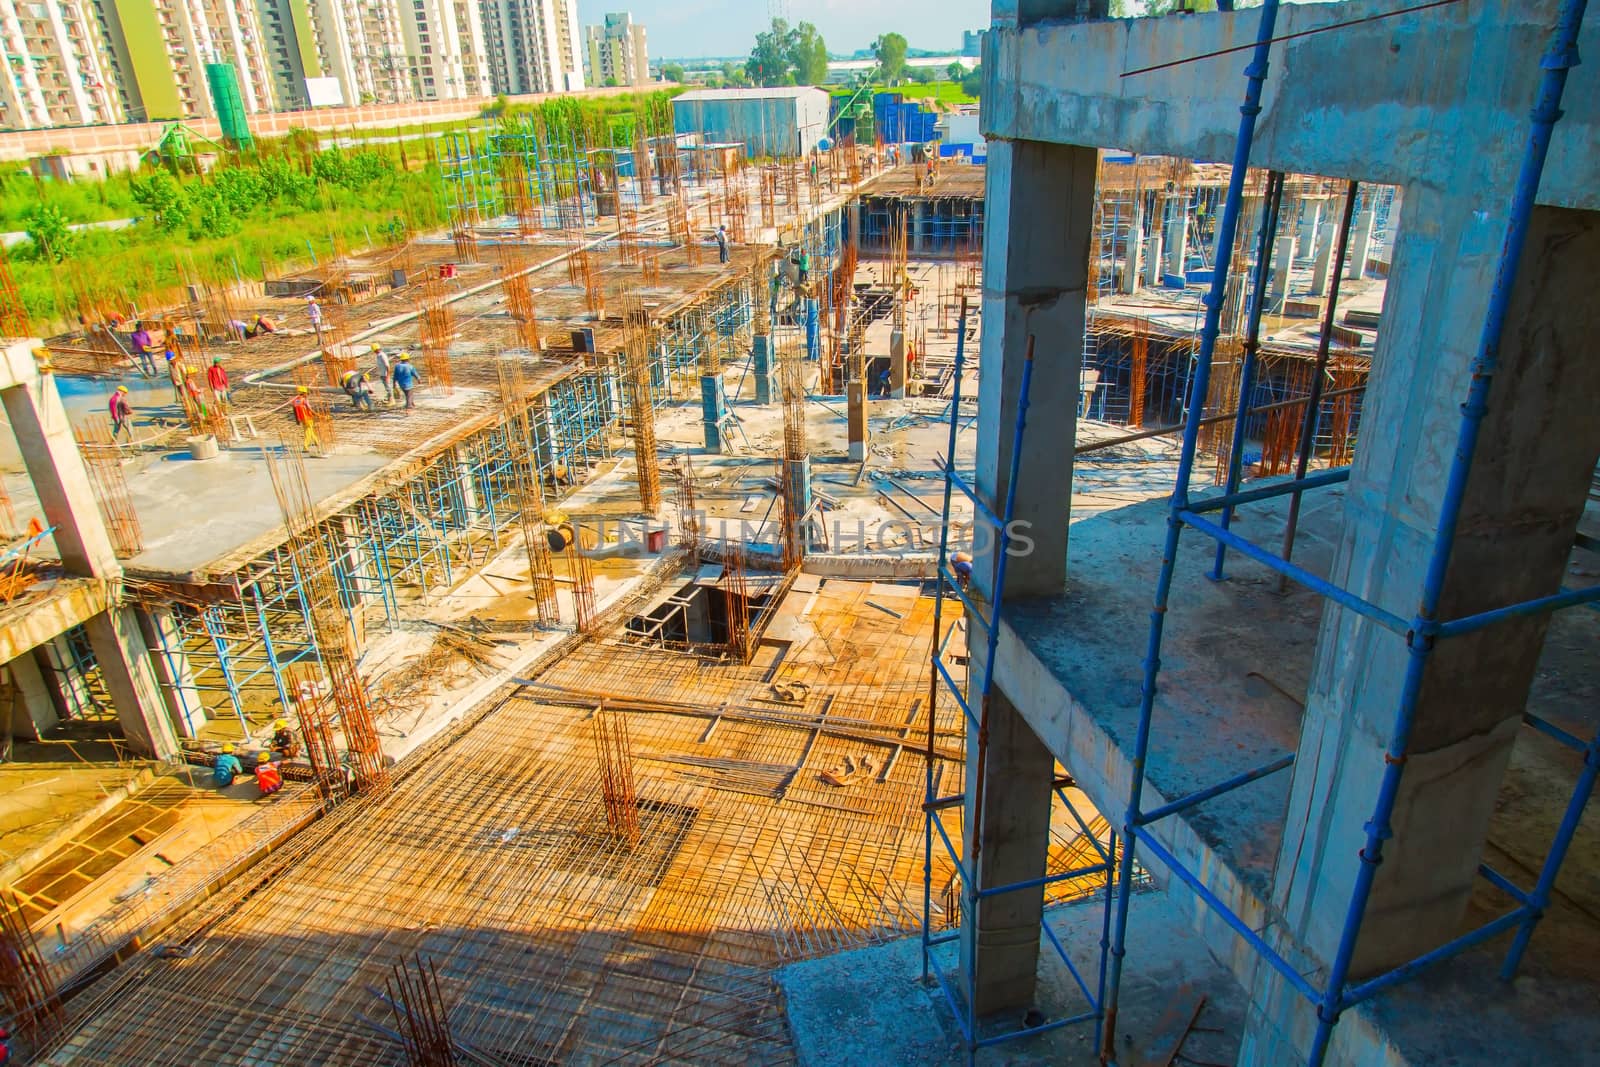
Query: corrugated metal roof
[775, 92]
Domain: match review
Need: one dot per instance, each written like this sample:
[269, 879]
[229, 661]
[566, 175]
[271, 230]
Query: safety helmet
[406, 356]
[228, 747]
[377, 348]
[302, 390]
[171, 355]
[122, 388]
[279, 724]
[215, 360]
[265, 757]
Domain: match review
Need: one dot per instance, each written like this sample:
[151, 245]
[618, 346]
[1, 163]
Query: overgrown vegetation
[258, 214]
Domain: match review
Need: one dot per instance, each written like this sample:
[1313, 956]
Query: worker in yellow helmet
[225, 768]
[303, 415]
[284, 742]
[121, 413]
[268, 780]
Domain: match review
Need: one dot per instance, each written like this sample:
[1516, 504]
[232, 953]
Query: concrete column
[468, 505]
[761, 367]
[798, 476]
[1133, 262]
[171, 665]
[125, 666]
[855, 402]
[1360, 237]
[897, 364]
[1040, 211]
[1322, 261]
[714, 409]
[1310, 226]
[1040, 208]
[59, 477]
[1000, 937]
[1152, 254]
[1282, 260]
[1177, 239]
[919, 228]
[1521, 504]
[33, 713]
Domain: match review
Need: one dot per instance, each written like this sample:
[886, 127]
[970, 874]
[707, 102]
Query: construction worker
[142, 344]
[405, 378]
[961, 564]
[805, 265]
[354, 383]
[383, 368]
[284, 742]
[226, 767]
[268, 780]
[175, 375]
[301, 407]
[722, 243]
[217, 376]
[193, 398]
[121, 413]
[314, 310]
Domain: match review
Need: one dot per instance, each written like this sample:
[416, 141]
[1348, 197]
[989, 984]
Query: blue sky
[687, 28]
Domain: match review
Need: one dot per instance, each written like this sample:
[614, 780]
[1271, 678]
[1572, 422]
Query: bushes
[238, 220]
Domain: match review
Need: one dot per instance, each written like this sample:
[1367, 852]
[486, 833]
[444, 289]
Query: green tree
[809, 56]
[922, 75]
[163, 199]
[769, 59]
[973, 82]
[955, 72]
[53, 238]
[890, 52]
[673, 72]
[733, 74]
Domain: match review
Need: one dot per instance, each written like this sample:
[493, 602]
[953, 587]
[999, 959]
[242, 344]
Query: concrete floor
[871, 1006]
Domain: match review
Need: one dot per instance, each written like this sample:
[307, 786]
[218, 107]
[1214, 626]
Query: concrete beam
[1433, 95]
[72, 602]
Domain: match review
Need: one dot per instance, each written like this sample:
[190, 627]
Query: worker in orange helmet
[303, 415]
[268, 780]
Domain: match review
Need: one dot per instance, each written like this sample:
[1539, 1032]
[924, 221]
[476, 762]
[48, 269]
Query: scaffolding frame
[1335, 995]
[973, 698]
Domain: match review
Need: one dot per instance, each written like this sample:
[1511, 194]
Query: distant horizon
[722, 30]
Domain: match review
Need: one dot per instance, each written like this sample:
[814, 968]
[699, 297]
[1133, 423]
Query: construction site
[1130, 602]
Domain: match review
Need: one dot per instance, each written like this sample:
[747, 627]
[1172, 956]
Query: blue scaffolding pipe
[1202, 795]
[1270, 208]
[1226, 501]
[1255, 75]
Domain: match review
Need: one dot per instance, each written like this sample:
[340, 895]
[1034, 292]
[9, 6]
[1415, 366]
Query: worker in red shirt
[217, 375]
[302, 415]
[268, 780]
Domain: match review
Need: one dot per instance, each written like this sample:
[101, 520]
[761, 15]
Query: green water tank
[223, 81]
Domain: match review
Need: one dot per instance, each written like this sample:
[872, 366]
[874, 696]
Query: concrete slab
[195, 512]
[1235, 667]
[871, 1007]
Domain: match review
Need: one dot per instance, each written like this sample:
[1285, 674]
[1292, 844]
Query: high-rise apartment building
[533, 45]
[444, 49]
[57, 66]
[616, 52]
[80, 62]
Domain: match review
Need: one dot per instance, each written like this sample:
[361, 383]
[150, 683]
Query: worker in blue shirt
[226, 767]
[405, 378]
